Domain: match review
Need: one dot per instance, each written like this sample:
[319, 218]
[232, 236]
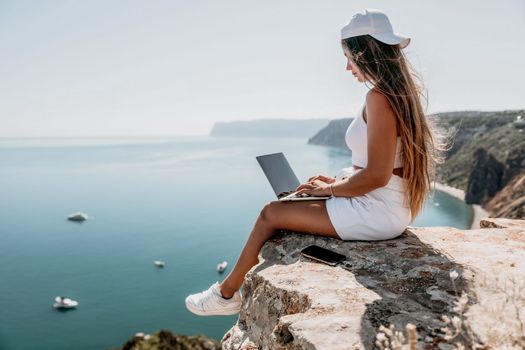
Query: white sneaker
[211, 302]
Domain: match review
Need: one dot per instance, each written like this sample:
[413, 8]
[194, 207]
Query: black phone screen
[322, 254]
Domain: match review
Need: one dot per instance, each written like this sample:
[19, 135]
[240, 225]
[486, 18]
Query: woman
[393, 150]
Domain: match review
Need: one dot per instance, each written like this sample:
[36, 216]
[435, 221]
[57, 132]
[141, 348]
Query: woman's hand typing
[314, 188]
[324, 178]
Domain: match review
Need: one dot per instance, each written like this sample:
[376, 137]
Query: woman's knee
[267, 214]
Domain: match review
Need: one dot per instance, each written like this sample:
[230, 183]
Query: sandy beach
[479, 212]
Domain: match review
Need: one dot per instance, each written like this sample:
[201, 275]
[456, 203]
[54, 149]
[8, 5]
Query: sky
[172, 67]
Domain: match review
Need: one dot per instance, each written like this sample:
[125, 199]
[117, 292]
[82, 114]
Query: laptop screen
[278, 172]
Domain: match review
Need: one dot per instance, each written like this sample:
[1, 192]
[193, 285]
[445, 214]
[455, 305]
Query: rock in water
[78, 216]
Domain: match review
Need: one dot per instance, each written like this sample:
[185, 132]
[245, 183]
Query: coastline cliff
[333, 134]
[487, 160]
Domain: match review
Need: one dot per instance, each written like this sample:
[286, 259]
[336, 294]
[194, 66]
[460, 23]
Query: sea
[189, 201]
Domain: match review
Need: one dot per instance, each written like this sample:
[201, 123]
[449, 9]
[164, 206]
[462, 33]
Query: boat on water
[64, 303]
[78, 217]
[159, 263]
[222, 266]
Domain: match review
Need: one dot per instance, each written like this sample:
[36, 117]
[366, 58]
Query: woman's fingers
[308, 186]
[319, 177]
[327, 179]
[303, 191]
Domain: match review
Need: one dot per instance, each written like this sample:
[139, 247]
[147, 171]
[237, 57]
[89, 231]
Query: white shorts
[376, 215]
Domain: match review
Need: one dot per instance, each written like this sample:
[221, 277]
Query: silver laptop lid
[278, 172]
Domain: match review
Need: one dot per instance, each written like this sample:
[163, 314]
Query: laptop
[282, 178]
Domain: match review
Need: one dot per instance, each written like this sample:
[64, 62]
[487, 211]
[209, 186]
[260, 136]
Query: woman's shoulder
[377, 103]
[376, 98]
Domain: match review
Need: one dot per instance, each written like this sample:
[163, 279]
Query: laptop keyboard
[287, 193]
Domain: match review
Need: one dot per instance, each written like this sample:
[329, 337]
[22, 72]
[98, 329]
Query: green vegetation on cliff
[494, 132]
[165, 340]
[487, 160]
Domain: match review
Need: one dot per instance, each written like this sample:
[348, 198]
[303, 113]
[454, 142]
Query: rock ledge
[294, 303]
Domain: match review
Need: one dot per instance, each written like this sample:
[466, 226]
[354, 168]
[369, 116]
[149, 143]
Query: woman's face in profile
[352, 67]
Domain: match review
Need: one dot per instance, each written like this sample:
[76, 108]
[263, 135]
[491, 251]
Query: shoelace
[207, 297]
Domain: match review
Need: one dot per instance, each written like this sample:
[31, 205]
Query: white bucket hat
[376, 24]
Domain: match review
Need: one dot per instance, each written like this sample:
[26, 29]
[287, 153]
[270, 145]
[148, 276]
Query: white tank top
[357, 140]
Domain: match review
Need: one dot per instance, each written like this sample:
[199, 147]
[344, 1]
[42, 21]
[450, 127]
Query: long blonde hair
[389, 71]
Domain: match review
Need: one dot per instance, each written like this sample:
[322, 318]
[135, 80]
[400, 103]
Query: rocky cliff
[499, 134]
[449, 286]
[509, 202]
[485, 177]
[332, 135]
[487, 159]
[165, 340]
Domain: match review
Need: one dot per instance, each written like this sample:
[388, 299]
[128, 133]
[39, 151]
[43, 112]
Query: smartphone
[323, 255]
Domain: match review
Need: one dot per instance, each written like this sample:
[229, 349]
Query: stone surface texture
[291, 302]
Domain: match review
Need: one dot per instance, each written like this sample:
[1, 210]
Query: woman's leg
[308, 217]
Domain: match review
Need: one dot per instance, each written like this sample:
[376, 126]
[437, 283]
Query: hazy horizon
[195, 134]
[172, 68]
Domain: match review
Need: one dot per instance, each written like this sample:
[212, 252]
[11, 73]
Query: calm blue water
[188, 201]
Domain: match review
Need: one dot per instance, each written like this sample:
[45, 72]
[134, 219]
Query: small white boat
[159, 263]
[64, 303]
[78, 216]
[222, 266]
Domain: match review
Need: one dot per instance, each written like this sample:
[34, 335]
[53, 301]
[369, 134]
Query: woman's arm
[382, 138]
